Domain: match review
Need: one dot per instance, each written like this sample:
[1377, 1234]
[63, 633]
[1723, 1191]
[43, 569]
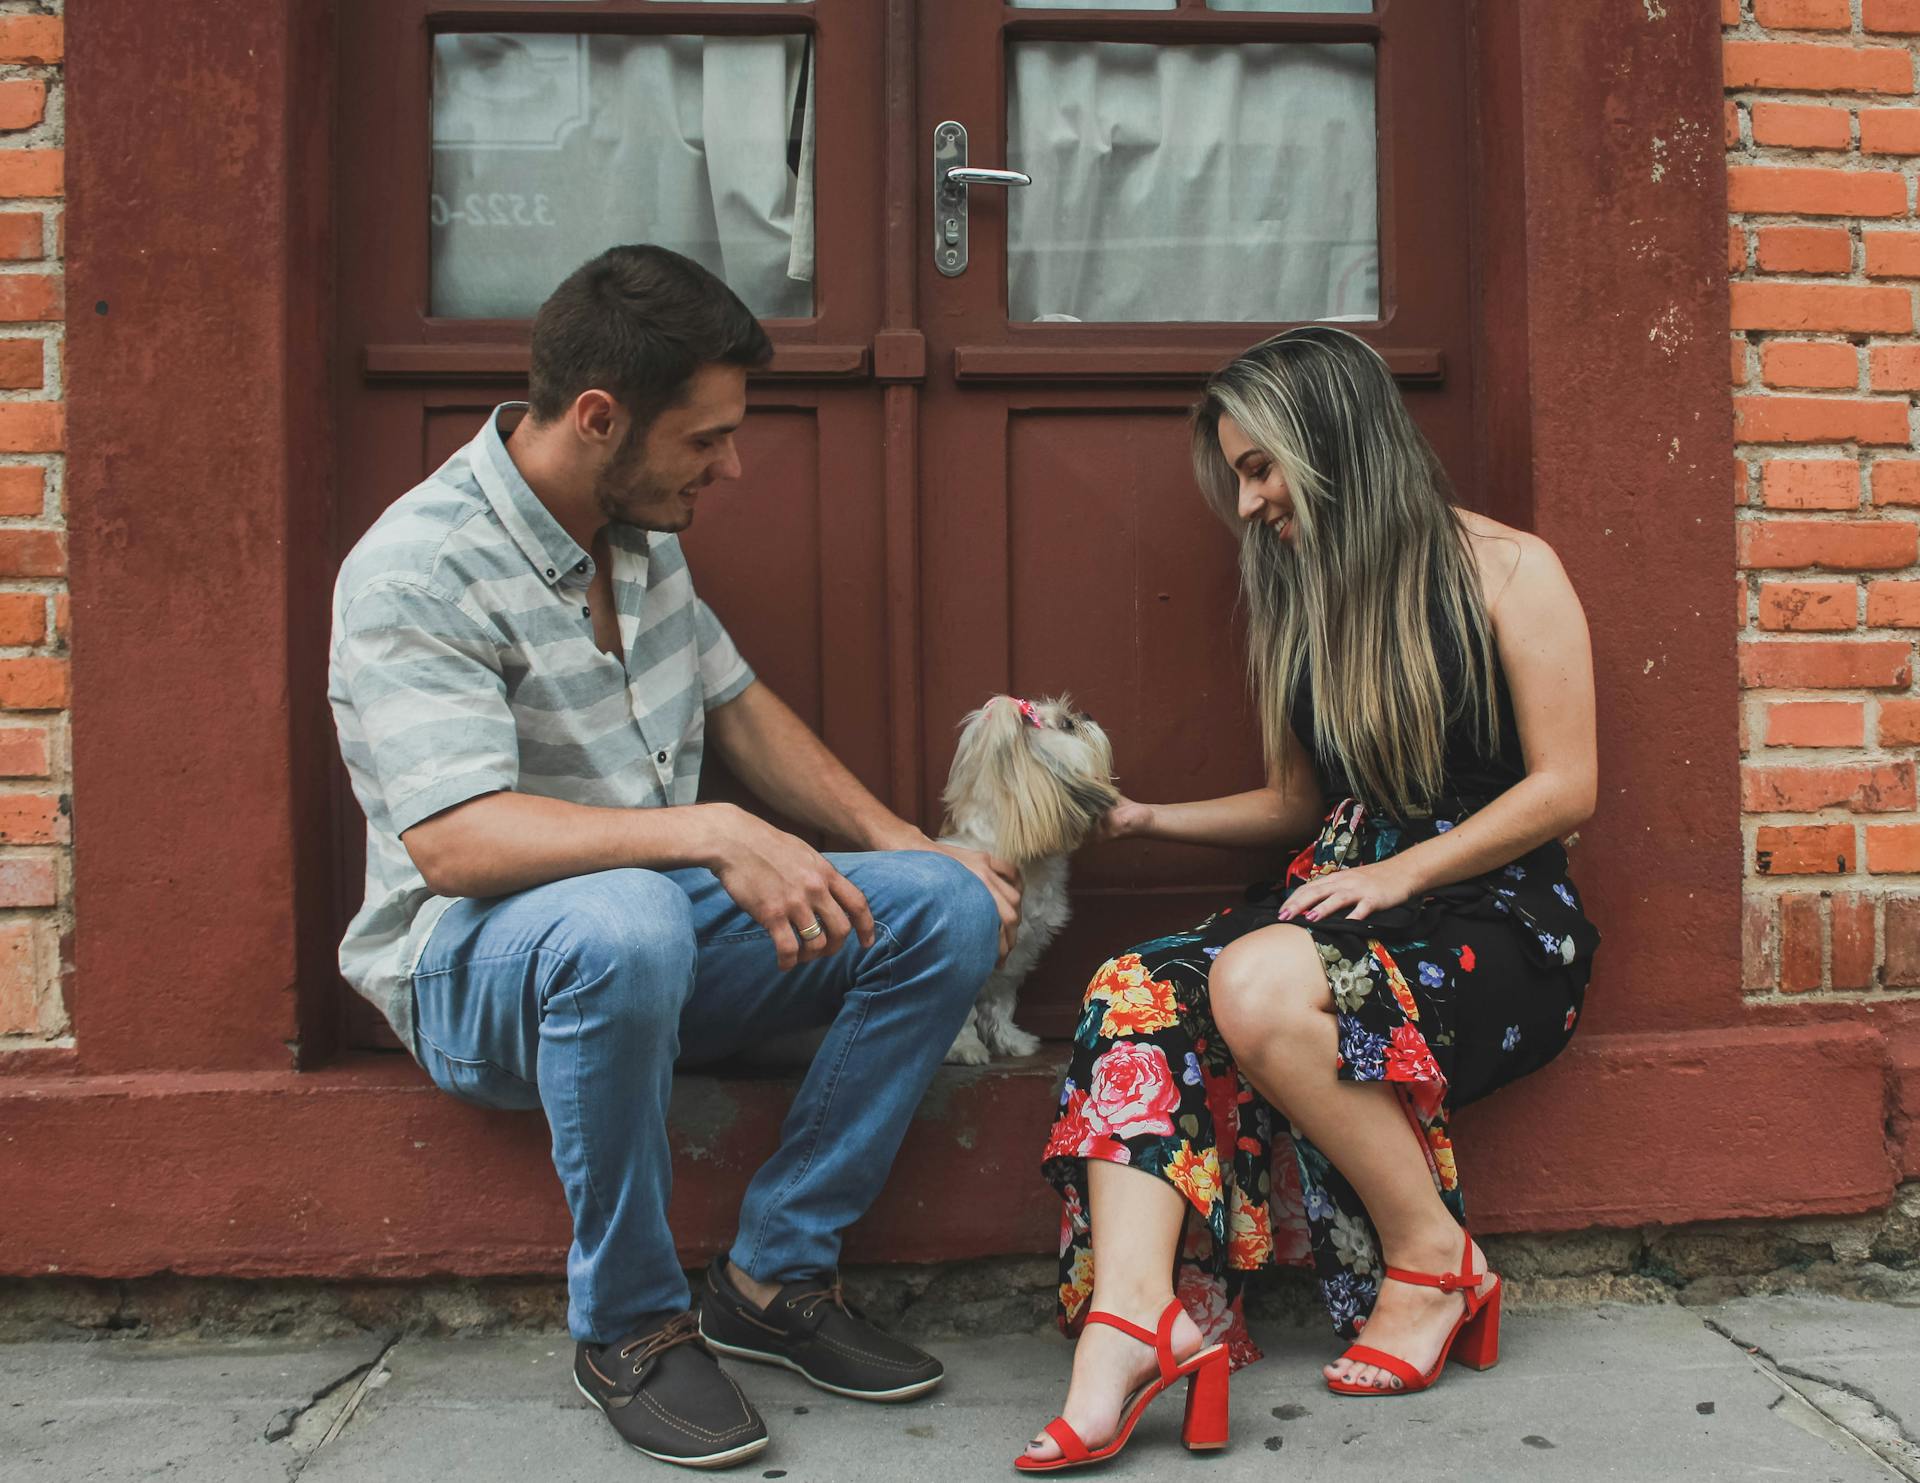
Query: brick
[1809, 607]
[1810, 484]
[24, 752]
[1804, 15]
[1737, 365]
[1891, 254]
[1893, 604]
[1731, 113]
[1807, 249]
[22, 365]
[1800, 126]
[1736, 248]
[1815, 190]
[1839, 307]
[1758, 968]
[1816, 723]
[1808, 364]
[1852, 956]
[38, 427]
[1893, 849]
[1889, 131]
[32, 39]
[1803, 849]
[62, 617]
[1796, 419]
[32, 818]
[23, 619]
[35, 684]
[1894, 367]
[32, 553]
[23, 236]
[26, 883]
[1860, 788]
[1826, 664]
[29, 298]
[1729, 12]
[19, 979]
[1903, 942]
[1890, 15]
[1740, 480]
[1896, 481]
[1899, 723]
[1817, 67]
[34, 172]
[23, 491]
[1803, 947]
[1828, 545]
[23, 103]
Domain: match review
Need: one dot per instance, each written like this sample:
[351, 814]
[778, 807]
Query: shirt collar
[541, 540]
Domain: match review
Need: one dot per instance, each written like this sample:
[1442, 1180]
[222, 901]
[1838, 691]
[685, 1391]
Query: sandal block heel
[1206, 1425]
[1478, 1346]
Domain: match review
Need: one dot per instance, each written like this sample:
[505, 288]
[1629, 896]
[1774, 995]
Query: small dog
[1029, 782]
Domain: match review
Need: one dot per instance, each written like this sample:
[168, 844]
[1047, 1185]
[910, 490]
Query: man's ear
[597, 417]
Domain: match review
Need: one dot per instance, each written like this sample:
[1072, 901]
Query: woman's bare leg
[1273, 1008]
[1136, 1231]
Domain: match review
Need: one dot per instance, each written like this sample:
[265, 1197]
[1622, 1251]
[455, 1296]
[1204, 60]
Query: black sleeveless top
[1469, 773]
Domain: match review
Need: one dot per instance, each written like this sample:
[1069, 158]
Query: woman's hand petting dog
[1125, 820]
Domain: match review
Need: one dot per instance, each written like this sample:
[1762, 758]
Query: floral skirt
[1446, 999]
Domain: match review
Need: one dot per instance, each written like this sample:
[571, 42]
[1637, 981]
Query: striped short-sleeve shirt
[463, 662]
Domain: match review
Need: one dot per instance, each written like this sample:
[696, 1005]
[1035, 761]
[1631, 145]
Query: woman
[1276, 1083]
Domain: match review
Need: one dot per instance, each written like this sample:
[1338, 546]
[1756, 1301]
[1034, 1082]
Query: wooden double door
[966, 470]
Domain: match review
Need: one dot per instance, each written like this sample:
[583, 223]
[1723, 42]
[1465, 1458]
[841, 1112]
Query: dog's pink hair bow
[1030, 711]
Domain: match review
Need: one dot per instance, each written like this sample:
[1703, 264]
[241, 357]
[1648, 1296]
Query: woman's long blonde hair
[1378, 550]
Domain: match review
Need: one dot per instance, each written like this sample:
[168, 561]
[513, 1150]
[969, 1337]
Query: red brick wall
[35, 874]
[1823, 143]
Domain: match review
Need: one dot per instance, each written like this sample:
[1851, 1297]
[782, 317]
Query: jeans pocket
[479, 1082]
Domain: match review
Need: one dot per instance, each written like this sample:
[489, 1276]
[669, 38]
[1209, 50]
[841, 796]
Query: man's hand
[785, 885]
[1000, 878]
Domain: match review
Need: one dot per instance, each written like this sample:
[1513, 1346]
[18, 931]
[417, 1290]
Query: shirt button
[549, 571]
[660, 757]
[581, 568]
[586, 612]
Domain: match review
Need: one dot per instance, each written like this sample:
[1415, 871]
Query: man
[524, 684]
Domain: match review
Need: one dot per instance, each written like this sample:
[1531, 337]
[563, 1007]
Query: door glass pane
[1322, 7]
[547, 149]
[1192, 182]
[1093, 4]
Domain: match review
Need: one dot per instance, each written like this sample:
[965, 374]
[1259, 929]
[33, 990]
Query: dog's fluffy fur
[1031, 795]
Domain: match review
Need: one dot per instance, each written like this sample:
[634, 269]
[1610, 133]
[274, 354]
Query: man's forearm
[773, 752]
[506, 842]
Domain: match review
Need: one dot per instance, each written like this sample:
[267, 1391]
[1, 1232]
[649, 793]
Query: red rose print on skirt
[1133, 1091]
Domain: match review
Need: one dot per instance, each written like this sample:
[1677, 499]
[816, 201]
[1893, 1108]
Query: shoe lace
[809, 1302]
[682, 1330]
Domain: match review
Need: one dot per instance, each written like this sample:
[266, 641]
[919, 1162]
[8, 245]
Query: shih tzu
[1029, 782]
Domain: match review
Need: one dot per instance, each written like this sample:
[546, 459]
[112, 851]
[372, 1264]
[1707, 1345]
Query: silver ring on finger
[808, 933]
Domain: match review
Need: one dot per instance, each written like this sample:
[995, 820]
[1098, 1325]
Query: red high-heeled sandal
[1203, 1430]
[1474, 1342]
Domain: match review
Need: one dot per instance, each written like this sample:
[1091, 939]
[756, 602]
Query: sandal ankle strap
[1161, 1337]
[1465, 1280]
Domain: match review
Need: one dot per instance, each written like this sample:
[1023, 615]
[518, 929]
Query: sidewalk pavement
[1812, 1390]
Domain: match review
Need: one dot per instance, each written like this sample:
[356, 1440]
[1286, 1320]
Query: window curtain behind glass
[549, 149]
[1193, 182]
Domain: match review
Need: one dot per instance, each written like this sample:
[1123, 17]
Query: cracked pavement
[1813, 1390]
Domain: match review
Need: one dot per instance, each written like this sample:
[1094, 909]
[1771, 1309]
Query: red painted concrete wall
[178, 1132]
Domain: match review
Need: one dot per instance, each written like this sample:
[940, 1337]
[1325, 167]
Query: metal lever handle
[958, 177]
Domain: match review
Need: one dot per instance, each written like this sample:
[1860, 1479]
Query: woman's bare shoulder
[1509, 557]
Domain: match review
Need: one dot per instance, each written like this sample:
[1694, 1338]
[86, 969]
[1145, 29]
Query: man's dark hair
[637, 322]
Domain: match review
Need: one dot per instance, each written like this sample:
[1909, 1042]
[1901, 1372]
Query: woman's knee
[1266, 985]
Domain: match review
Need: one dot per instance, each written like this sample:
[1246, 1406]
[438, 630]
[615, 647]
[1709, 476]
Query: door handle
[954, 174]
[965, 175]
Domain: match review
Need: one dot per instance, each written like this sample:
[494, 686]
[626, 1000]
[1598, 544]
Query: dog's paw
[967, 1050]
[1011, 1040]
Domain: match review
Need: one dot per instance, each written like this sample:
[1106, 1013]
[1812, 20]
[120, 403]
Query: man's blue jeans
[581, 996]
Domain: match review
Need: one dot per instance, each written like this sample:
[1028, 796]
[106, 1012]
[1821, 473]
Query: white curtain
[548, 149]
[1193, 182]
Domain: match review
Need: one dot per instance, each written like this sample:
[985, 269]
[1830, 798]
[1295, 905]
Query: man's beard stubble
[626, 491]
